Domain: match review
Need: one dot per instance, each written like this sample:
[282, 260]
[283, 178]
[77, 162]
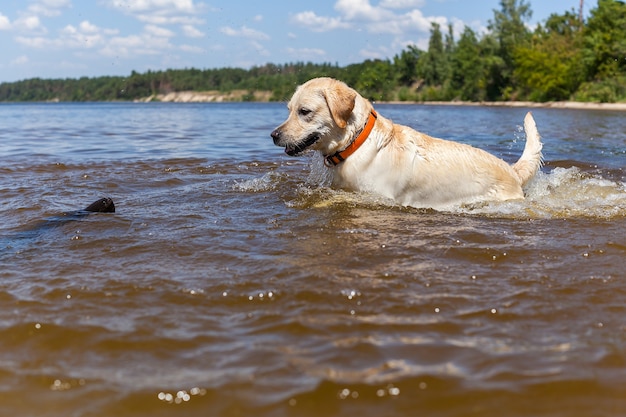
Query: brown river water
[231, 281]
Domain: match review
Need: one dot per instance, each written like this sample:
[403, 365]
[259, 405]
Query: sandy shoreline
[552, 104]
[263, 96]
[207, 96]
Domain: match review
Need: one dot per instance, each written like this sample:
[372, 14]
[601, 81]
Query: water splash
[559, 193]
[268, 182]
[563, 193]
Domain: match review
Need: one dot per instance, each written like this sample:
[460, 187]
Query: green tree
[468, 72]
[406, 64]
[605, 40]
[433, 64]
[493, 66]
[375, 79]
[549, 67]
[509, 30]
[604, 53]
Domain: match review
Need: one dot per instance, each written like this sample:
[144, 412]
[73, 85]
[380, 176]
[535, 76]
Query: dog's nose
[276, 136]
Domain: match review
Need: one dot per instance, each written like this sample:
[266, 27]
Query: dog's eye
[303, 111]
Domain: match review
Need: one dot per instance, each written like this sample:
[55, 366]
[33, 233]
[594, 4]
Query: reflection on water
[232, 281]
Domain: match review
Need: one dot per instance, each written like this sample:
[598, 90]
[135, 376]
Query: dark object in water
[104, 205]
[34, 231]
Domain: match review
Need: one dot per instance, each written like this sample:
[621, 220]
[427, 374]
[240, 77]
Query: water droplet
[344, 393]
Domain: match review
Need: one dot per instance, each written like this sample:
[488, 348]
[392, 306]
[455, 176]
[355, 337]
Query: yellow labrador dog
[367, 152]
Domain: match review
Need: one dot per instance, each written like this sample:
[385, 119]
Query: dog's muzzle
[294, 149]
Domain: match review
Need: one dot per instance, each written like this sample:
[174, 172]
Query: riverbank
[264, 96]
[208, 96]
[551, 104]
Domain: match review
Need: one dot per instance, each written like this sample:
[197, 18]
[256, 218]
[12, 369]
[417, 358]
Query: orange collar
[338, 157]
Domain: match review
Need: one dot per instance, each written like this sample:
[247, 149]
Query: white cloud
[127, 46]
[5, 23]
[245, 32]
[191, 32]
[401, 4]
[317, 23]
[49, 8]
[192, 49]
[372, 54]
[379, 19]
[29, 23]
[260, 49]
[158, 13]
[121, 46]
[416, 21]
[159, 19]
[306, 53]
[69, 30]
[55, 4]
[20, 60]
[362, 10]
[157, 31]
[37, 42]
[87, 27]
[133, 6]
[29, 19]
[161, 12]
[153, 41]
[85, 36]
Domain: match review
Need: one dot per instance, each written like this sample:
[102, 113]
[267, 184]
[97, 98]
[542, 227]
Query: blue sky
[71, 38]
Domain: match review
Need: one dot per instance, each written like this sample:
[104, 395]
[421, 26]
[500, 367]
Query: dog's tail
[531, 159]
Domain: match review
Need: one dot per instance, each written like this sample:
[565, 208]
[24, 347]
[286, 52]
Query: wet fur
[397, 161]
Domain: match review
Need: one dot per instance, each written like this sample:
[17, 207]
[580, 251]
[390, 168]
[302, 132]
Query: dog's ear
[340, 99]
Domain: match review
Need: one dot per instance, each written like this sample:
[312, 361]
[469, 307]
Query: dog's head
[319, 112]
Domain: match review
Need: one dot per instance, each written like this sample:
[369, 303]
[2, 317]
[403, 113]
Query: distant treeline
[564, 58]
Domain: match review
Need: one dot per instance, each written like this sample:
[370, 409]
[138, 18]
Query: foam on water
[559, 193]
[267, 182]
[563, 193]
